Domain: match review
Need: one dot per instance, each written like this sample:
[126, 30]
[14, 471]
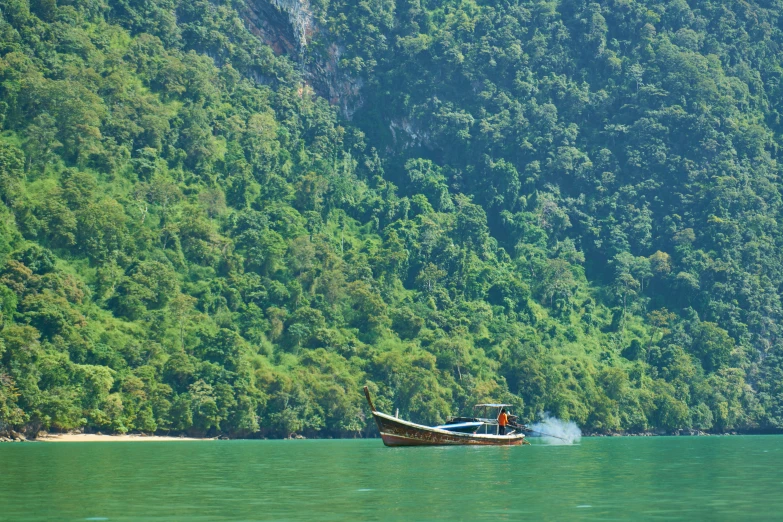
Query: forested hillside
[572, 207]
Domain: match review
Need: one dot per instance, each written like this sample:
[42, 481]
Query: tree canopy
[571, 207]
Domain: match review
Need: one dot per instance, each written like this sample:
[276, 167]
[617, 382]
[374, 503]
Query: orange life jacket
[503, 419]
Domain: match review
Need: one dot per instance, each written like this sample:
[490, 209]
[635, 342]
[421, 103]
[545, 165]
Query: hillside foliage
[572, 207]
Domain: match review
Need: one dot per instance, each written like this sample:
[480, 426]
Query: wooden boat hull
[397, 432]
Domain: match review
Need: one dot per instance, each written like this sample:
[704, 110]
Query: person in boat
[502, 421]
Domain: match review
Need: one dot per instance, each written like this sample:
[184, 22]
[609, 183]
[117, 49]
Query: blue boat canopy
[492, 405]
[460, 425]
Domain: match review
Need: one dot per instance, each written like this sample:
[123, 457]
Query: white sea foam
[562, 432]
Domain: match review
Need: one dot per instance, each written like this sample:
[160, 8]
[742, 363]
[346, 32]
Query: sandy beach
[92, 437]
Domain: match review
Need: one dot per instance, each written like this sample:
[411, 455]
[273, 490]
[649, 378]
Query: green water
[706, 478]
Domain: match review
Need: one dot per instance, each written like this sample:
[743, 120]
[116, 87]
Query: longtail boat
[397, 432]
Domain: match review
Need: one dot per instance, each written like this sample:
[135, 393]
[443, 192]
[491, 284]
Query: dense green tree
[570, 207]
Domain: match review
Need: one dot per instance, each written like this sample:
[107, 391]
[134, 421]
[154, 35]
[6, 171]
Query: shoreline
[95, 437]
[136, 437]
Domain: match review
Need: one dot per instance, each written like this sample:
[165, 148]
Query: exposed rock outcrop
[289, 27]
[271, 24]
[11, 436]
[412, 136]
[300, 18]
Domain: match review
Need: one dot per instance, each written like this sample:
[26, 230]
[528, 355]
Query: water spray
[553, 428]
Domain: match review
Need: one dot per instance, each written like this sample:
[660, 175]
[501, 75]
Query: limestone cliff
[289, 27]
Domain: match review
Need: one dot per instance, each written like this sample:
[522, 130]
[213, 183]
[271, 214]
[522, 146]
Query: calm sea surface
[705, 478]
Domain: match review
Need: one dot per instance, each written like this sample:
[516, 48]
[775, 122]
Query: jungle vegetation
[573, 207]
